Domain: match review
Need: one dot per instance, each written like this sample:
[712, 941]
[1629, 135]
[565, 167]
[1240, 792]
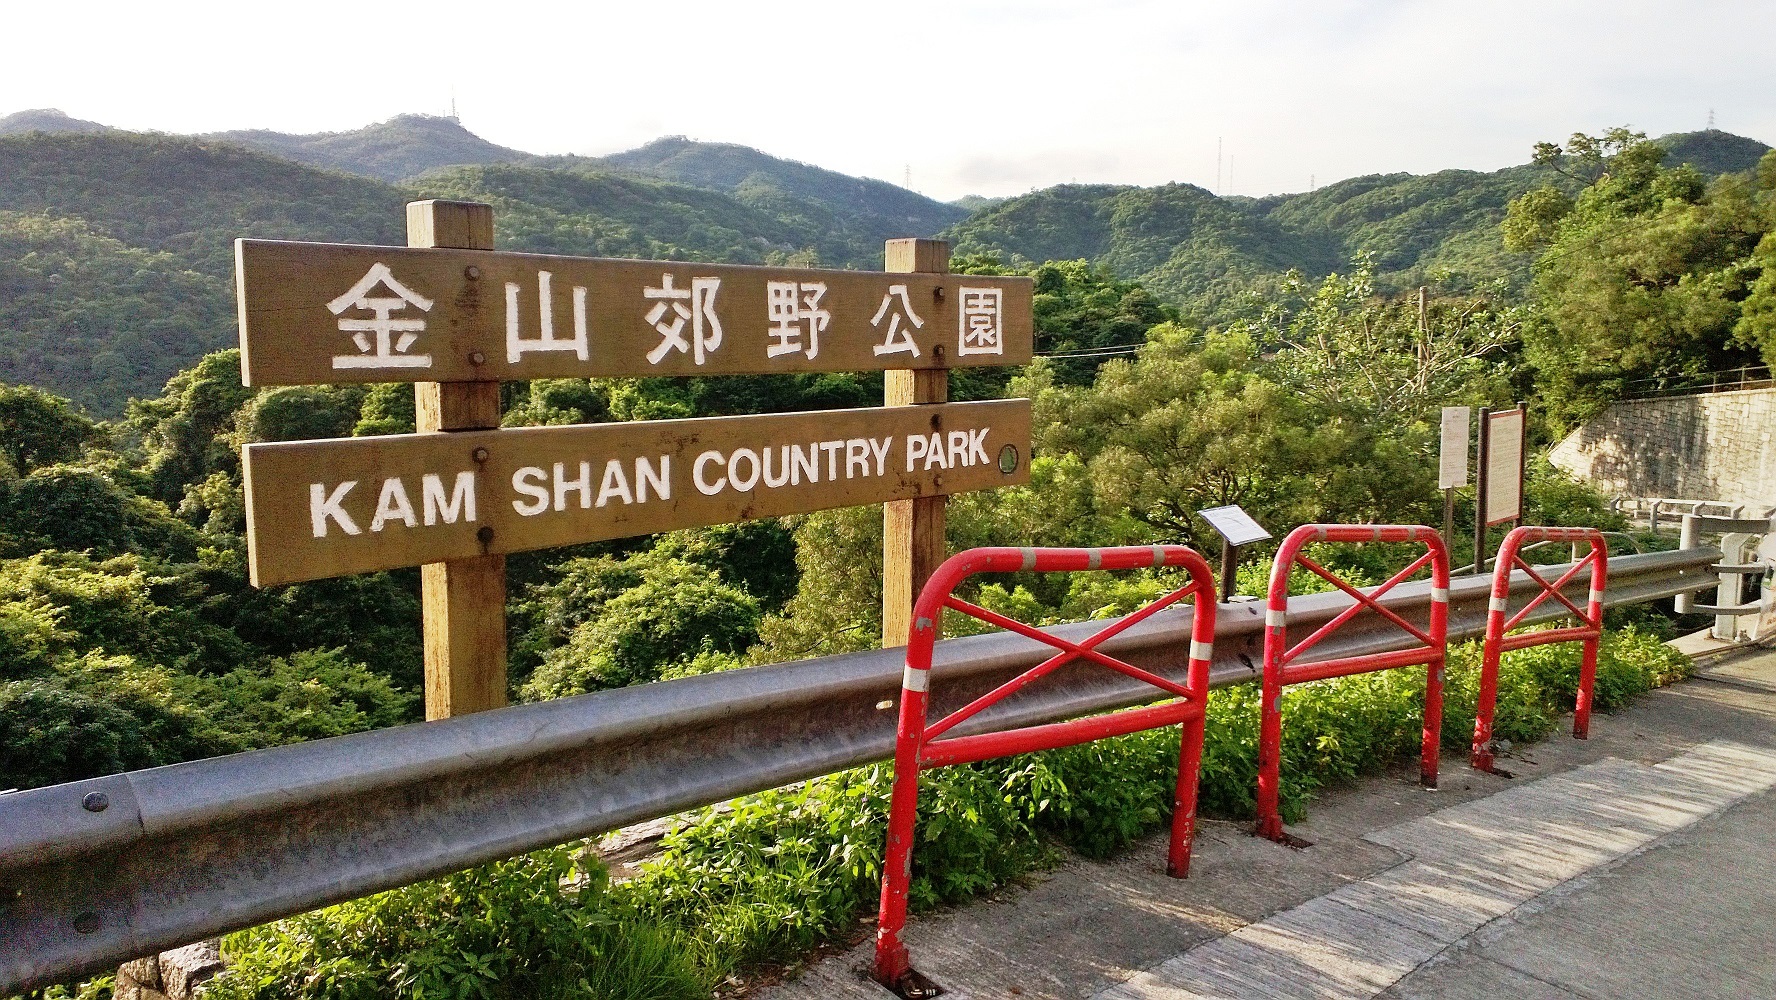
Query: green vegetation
[404, 146]
[1651, 276]
[777, 873]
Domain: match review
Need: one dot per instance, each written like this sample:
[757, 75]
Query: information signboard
[313, 313]
[353, 505]
[1504, 466]
[1452, 463]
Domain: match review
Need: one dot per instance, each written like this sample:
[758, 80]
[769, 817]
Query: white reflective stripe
[1440, 594]
[1029, 557]
[1274, 618]
[1159, 555]
[1093, 558]
[1375, 534]
[915, 680]
[1201, 650]
[1597, 597]
[1499, 604]
[1320, 533]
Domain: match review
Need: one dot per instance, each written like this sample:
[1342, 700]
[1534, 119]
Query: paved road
[1641, 862]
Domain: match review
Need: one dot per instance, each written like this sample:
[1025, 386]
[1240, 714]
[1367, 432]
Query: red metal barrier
[1589, 630]
[1279, 669]
[918, 746]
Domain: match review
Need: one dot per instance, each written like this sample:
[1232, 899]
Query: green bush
[533, 926]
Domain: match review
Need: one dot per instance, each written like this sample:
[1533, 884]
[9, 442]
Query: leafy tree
[1587, 158]
[675, 612]
[1641, 282]
[185, 433]
[1756, 326]
[1349, 352]
[38, 429]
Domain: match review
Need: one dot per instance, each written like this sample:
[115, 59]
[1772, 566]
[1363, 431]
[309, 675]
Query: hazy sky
[972, 97]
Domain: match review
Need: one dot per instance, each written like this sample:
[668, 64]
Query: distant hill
[116, 251]
[1713, 151]
[584, 212]
[1203, 253]
[46, 120]
[404, 146]
[116, 246]
[855, 212]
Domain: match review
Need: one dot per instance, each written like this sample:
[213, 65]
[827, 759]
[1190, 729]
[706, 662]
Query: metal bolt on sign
[1279, 657]
[1589, 630]
[918, 745]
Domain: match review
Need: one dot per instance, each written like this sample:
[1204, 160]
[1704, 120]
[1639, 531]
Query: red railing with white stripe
[921, 746]
[1500, 621]
[1280, 668]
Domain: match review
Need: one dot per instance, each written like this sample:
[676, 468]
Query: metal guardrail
[97, 872]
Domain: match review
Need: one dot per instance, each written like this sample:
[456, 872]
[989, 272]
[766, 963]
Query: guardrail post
[1499, 621]
[1279, 670]
[921, 745]
[464, 599]
[912, 530]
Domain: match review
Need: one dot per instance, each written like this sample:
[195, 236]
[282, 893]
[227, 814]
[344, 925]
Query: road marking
[1470, 864]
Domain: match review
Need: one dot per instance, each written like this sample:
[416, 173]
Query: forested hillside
[1210, 256]
[115, 247]
[404, 146]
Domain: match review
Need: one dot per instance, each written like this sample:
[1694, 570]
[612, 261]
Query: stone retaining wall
[1712, 446]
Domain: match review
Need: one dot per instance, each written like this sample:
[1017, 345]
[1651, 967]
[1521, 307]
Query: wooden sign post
[1498, 471]
[464, 599]
[912, 530]
[456, 318]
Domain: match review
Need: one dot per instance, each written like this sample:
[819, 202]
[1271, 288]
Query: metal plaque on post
[1236, 528]
[1504, 466]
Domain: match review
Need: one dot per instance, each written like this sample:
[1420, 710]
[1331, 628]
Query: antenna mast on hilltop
[906, 180]
[1711, 119]
[453, 105]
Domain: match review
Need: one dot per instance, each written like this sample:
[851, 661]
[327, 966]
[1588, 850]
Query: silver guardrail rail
[97, 872]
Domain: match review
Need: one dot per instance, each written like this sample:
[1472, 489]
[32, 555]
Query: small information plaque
[1235, 525]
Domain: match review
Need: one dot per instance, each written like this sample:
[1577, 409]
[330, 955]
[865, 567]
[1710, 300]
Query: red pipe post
[917, 747]
[1499, 621]
[1278, 671]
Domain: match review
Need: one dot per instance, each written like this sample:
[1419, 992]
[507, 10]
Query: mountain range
[116, 246]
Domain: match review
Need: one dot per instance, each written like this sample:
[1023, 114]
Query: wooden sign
[313, 313]
[353, 505]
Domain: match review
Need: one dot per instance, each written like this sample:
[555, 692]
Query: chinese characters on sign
[790, 305]
[320, 313]
[897, 336]
[982, 328]
[381, 349]
[675, 306]
[517, 345]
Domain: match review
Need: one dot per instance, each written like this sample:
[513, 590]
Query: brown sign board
[354, 505]
[314, 313]
[1504, 466]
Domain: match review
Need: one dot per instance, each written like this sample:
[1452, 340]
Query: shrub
[533, 926]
